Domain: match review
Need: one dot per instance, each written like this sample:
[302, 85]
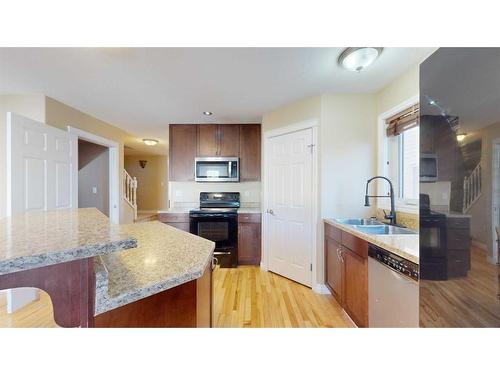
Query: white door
[39, 169]
[289, 205]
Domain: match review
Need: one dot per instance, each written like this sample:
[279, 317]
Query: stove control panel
[396, 263]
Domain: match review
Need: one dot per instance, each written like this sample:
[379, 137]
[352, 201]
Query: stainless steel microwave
[428, 167]
[217, 169]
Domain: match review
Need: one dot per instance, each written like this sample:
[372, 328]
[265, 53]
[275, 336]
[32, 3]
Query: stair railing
[130, 191]
[472, 188]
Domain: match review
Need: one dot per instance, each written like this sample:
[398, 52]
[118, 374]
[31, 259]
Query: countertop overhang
[403, 245]
[43, 238]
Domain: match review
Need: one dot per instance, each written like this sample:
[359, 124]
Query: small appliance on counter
[217, 221]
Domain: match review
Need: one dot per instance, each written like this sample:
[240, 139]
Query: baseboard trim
[321, 289]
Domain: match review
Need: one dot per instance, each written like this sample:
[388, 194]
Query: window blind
[404, 120]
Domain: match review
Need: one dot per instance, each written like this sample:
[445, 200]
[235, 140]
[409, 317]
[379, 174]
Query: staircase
[130, 191]
[472, 188]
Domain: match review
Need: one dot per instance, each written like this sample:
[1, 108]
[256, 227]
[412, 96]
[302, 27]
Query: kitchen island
[165, 282]
[105, 275]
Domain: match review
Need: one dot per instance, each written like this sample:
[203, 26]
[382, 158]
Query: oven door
[433, 238]
[221, 229]
[217, 169]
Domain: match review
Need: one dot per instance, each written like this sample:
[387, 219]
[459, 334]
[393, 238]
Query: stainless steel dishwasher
[393, 296]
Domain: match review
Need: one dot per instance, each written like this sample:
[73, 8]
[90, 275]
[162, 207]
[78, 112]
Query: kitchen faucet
[392, 214]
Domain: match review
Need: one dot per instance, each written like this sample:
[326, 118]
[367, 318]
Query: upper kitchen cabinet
[214, 140]
[229, 140]
[250, 152]
[218, 140]
[182, 151]
[208, 140]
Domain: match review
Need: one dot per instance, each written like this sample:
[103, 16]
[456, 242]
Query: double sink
[373, 226]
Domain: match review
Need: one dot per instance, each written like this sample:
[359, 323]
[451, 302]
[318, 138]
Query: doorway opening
[93, 176]
[96, 150]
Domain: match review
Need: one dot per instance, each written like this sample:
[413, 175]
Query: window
[401, 159]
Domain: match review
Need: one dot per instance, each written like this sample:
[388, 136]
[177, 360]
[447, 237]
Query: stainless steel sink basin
[359, 221]
[383, 229]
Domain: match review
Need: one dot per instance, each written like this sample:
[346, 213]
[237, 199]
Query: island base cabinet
[186, 306]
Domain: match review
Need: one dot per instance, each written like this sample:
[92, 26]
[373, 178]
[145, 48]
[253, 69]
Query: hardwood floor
[463, 302]
[249, 297]
[38, 314]
[243, 297]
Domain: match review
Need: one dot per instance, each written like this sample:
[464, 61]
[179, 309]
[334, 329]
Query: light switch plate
[94, 189]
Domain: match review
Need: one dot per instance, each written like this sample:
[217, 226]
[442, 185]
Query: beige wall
[151, 181]
[403, 87]
[32, 106]
[301, 110]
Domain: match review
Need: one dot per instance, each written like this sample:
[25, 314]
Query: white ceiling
[142, 90]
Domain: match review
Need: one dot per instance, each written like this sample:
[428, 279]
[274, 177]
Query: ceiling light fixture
[357, 59]
[208, 113]
[150, 142]
[461, 136]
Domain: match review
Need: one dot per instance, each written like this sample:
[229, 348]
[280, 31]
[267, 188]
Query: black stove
[433, 242]
[217, 220]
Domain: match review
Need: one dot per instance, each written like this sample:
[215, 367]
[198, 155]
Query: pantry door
[289, 214]
[39, 166]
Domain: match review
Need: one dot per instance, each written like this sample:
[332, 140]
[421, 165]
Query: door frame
[495, 180]
[266, 136]
[114, 168]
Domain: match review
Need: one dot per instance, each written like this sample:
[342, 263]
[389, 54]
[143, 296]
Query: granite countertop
[38, 239]
[164, 258]
[405, 245]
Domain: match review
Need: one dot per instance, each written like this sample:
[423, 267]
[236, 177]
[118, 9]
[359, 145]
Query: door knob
[270, 212]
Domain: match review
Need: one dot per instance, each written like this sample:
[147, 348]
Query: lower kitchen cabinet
[346, 272]
[355, 287]
[179, 221]
[249, 250]
[333, 267]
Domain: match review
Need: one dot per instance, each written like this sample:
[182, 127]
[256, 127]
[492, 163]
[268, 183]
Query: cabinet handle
[341, 257]
[215, 262]
[338, 254]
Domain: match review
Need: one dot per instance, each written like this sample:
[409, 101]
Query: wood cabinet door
[355, 287]
[229, 140]
[182, 151]
[208, 140]
[249, 243]
[333, 268]
[250, 141]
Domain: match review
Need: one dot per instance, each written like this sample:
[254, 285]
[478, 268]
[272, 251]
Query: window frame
[402, 204]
